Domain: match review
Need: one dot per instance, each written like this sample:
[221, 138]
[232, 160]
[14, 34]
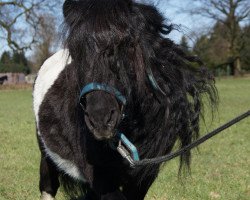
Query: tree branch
[27, 12]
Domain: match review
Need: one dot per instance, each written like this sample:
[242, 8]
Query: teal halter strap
[103, 87]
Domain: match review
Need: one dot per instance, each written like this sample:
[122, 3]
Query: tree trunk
[237, 67]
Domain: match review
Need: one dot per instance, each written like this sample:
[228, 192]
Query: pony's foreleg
[136, 191]
[49, 182]
[137, 187]
[106, 183]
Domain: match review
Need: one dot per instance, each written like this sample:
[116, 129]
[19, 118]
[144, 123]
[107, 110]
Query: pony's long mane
[114, 41]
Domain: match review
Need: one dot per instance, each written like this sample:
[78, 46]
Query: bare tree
[47, 34]
[230, 13]
[19, 21]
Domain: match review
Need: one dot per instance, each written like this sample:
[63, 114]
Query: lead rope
[158, 160]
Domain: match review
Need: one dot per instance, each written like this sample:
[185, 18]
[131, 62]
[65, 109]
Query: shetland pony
[122, 45]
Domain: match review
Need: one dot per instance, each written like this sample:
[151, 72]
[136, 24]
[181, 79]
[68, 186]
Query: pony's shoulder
[56, 61]
[53, 66]
[48, 74]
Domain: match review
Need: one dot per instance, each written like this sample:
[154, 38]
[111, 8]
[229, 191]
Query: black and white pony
[2, 79]
[119, 73]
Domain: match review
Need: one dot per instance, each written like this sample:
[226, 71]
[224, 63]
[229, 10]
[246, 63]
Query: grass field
[220, 170]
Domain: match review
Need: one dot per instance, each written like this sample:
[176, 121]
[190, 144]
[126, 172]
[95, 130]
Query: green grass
[220, 170]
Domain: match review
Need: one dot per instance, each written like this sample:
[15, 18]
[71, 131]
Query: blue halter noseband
[103, 87]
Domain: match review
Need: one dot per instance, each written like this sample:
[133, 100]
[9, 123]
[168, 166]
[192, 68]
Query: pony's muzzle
[103, 108]
[103, 127]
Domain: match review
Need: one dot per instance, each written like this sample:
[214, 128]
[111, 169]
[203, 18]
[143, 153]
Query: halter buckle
[127, 149]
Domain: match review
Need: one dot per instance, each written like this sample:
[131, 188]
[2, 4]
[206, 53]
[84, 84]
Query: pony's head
[103, 39]
[103, 108]
[123, 45]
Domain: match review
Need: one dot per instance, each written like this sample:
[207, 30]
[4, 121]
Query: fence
[14, 78]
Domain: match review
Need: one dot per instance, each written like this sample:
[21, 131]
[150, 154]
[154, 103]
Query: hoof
[46, 196]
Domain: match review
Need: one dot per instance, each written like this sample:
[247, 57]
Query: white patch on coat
[46, 77]
[65, 165]
[46, 196]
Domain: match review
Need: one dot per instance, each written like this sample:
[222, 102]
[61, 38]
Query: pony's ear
[71, 11]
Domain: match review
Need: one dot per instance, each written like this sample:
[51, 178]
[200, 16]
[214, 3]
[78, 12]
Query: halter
[125, 147]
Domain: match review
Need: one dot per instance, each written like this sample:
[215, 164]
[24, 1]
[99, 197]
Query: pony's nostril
[110, 119]
[90, 123]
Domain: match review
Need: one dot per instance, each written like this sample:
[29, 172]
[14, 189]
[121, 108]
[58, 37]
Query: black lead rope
[170, 156]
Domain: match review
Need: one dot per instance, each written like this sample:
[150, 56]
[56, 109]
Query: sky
[171, 9]
[188, 25]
